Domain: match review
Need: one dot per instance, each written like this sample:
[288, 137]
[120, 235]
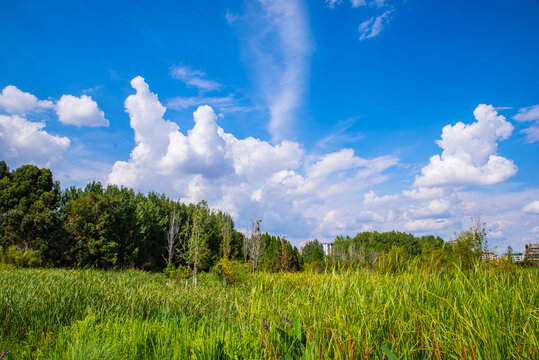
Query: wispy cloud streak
[373, 26]
[280, 48]
[194, 78]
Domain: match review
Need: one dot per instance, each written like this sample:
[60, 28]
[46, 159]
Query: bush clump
[17, 257]
[232, 271]
[178, 273]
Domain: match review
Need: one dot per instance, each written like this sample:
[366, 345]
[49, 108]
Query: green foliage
[389, 354]
[177, 273]
[469, 247]
[197, 251]
[106, 227]
[66, 314]
[232, 271]
[29, 200]
[17, 257]
[371, 249]
[313, 252]
[94, 222]
[279, 254]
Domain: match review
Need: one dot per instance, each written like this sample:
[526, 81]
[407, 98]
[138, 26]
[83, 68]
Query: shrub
[179, 273]
[17, 257]
[31, 258]
[230, 270]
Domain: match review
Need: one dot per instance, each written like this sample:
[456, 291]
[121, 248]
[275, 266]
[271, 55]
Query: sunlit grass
[89, 314]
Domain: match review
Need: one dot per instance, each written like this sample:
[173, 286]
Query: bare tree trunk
[197, 248]
[172, 237]
[245, 247]
[255, 243]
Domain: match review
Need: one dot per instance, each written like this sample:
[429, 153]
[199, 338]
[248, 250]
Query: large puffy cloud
[205, 152]
[247, 177]
[15, 101]
[23, 142]
[297, 194]
[80, 111]
[469, 153]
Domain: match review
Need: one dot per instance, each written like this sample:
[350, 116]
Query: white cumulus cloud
[205, 151]
[469, 153]
[532, 208]
[435, 208]
[24, 142]
[15, 101]
[370, 198]
[80, 111]
[245, 177]
[298, 194]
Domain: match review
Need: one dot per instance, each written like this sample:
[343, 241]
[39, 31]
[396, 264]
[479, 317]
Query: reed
[91, 314]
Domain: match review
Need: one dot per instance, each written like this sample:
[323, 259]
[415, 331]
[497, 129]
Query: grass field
[89, 314]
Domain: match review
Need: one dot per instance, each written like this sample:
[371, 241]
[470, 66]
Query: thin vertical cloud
[280, 47]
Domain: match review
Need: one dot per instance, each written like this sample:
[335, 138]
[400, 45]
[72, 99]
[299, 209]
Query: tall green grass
[88, 314]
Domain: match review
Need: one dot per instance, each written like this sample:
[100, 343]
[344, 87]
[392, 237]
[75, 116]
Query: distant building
[516, 257]
[489, 255]
[327, 248]
[532, 252]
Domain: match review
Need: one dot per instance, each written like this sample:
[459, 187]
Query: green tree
[312, 251]
[256, 244]
[94, 223]
[470, 245]
[126, 225]
[4, 170]
[226, 229]
[197, 244]
[29, 203]
[152, 214]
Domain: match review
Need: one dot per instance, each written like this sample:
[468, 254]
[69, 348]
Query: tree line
[111, 227]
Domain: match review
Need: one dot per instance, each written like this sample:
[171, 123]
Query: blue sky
[322, 117]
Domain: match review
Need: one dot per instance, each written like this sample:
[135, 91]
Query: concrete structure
[327, 248]
[516, 257]
[489, 255]
[532, 252]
